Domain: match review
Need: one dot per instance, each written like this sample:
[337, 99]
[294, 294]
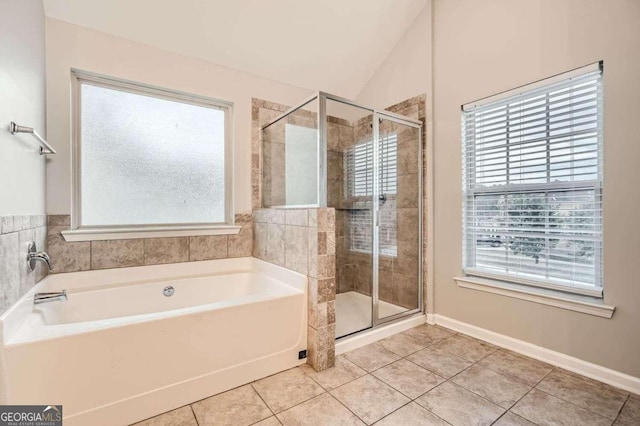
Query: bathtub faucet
[50, 297]
[34, 256]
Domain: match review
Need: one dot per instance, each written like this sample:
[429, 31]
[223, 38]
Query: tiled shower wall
[15, 234]
[398, 274]
[89, 255]
[303, 240]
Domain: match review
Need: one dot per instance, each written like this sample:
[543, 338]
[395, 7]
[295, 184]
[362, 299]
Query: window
[149, 158]
[358, 189]
[533, 184]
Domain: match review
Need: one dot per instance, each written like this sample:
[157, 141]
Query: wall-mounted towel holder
[45, 148]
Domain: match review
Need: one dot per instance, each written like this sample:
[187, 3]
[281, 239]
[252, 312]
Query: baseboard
[576, 365]
[364, 338]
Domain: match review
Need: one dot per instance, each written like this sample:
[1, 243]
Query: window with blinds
[359, 167]
[358, 189]
[532, 164]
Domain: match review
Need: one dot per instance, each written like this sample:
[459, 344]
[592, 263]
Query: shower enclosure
[367, 164]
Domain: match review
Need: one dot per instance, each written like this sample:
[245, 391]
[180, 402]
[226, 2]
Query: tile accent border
[15, 233]
[301, 240]
[105, 254]
[597, 372]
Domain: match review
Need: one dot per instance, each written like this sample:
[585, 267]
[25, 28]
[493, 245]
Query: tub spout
[50, 297]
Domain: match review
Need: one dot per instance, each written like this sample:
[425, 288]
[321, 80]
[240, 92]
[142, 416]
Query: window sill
[73, 235]
[584, 304]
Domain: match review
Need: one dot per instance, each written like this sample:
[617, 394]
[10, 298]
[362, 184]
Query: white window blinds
[532, 165]
[358, 189]
[359, 167]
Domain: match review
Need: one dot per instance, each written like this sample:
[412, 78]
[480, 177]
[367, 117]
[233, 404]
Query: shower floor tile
[353, 312]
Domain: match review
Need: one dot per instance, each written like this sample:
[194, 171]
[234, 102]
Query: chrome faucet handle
[33, 256]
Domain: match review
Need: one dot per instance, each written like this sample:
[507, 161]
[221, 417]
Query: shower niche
[367, 165]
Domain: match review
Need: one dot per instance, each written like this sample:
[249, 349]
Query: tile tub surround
[399, 388]
[301, 240]
[15, 233]
[90, 255]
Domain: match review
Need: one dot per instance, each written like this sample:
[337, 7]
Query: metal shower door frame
[398, 119]
[321, 104]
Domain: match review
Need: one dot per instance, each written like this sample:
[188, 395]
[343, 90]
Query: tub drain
[168, 291]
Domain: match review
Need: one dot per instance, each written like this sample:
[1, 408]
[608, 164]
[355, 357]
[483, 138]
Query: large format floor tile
[343, 372]
[528, 371]
[596, 398]
[321, 410]
[271, 421]
[466, 347]
[402, 344]
[459, 406]
[412, 415]
[371, 357]
[497, 388]
[428, 334]
[544, 409]
[630, 413]
[286, 389]
[439, 361]
[510, 419]
[240, 406]
[182, 416]
[424, 376]
[408, 378]
[369, 398]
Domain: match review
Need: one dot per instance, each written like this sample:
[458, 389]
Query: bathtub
[119, 350]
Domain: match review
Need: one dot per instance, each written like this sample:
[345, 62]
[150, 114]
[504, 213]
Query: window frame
[79, 232]
[470, 193]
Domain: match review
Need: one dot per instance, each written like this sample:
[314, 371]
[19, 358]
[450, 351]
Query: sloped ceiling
[331, 45]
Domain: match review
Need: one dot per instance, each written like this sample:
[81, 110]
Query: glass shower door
[397, 251]
[349, 191]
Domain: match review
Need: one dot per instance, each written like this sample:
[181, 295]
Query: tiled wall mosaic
[15, 234]
[303, 240]
[88, 255]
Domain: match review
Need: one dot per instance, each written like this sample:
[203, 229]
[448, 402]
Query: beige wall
[71, 46]
[406, 72]
[22, 90]
[481, 48]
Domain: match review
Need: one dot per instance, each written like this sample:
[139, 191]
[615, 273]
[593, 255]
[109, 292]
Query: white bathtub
[119, 351]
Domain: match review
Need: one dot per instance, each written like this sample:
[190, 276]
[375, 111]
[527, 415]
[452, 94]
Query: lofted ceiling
[331, 45]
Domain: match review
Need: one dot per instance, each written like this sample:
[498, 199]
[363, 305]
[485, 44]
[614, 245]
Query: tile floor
[425, 376]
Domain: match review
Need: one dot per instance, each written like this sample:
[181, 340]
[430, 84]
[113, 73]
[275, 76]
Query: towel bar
[45, 148]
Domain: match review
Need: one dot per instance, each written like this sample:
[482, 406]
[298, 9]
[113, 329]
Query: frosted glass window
[149, 160]
[301, 165]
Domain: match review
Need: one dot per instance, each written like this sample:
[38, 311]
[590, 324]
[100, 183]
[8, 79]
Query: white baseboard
[362, 339]
[585, 368]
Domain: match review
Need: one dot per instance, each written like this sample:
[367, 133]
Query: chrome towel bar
[45, 148]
